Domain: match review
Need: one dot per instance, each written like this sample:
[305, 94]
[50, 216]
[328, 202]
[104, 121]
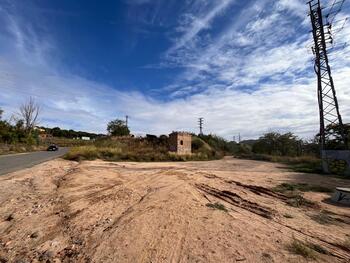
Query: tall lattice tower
[200, 124]
[327, 99]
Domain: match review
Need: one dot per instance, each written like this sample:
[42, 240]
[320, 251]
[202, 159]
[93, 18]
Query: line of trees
[274, 143]
[69, 134]
[22, 126]
[288, 144]
[21, 130]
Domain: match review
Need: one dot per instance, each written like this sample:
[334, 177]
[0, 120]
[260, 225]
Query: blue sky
[245, 66]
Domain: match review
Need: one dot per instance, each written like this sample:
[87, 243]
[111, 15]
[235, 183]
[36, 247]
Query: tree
[118, 128]
[334, 139]
[4, 129]
[29, 112]
[274, 143]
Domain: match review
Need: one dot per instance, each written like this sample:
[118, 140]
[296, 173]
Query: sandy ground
[97, 211]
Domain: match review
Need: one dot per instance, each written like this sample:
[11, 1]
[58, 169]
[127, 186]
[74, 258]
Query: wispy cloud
[192, 24]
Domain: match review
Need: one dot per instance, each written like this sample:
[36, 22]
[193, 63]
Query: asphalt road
[14, 162]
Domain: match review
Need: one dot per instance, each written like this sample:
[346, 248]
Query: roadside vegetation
[296, 154]
[120, 145]
[18, 134]
[21, 133]
[140, 150]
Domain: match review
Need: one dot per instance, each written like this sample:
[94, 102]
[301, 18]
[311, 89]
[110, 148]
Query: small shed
[180, 142]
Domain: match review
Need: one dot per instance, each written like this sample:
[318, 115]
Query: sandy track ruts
[97, 211]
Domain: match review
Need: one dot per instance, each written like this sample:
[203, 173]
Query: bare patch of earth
[218, 211]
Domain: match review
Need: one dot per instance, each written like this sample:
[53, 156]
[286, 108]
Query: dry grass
[300, 201]
[323, 218]
[302, 187]
[20, 148]
[299, 248]
[302, 164]
[306, 249]
[288, 216]
[131, 150]
[346, 243]
[217, 206]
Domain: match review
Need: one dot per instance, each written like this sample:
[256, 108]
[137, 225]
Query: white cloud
[297, 7]
[224, 82]
[191, 25]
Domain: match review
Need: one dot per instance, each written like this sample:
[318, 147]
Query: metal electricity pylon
[328, 103]
[200, 123]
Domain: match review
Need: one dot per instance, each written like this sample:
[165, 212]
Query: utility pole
[126, 120]
[327, 100]
[200, 123]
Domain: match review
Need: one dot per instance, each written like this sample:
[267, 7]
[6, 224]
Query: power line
[334, 12]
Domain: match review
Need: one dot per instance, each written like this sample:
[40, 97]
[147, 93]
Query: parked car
[52, 147]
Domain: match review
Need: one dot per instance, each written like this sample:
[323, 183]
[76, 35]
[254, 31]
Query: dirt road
[62, 211]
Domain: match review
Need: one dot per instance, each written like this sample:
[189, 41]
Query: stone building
[180, 142]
